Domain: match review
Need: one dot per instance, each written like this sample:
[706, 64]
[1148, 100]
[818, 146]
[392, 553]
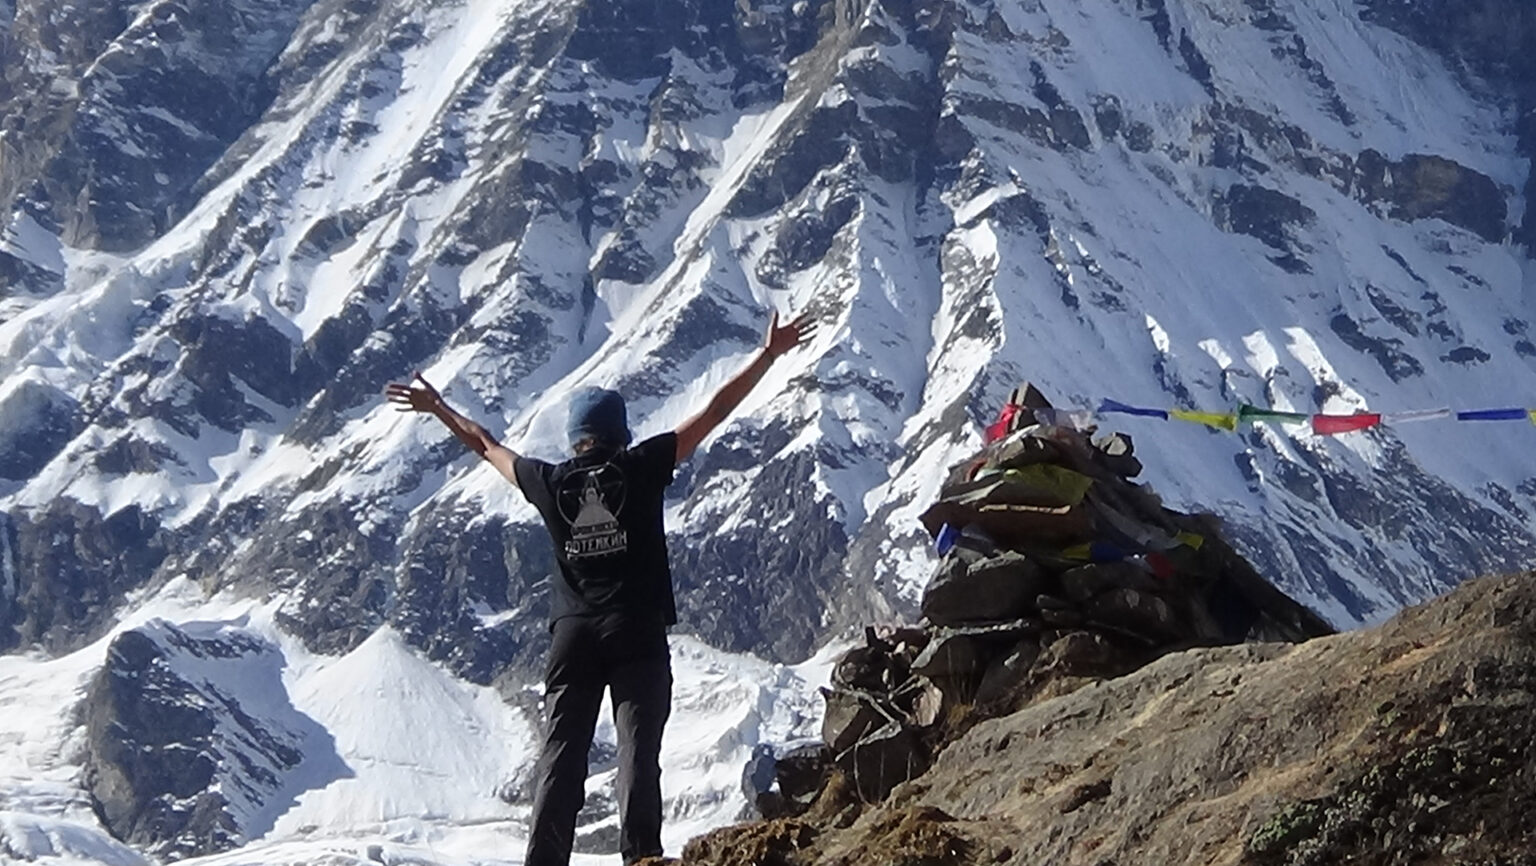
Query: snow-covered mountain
[228, 225]
[203, 726]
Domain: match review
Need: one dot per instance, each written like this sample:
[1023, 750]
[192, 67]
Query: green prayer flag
[1245, 412]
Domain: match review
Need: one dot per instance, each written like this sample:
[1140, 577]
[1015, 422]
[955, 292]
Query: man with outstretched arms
[612, 602]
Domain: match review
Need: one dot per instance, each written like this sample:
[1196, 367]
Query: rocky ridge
[1409, 742]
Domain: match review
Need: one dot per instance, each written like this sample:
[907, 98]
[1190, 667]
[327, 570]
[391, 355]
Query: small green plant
[1290, 825]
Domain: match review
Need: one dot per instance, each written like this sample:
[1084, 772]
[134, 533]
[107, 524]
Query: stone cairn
[1054, 570]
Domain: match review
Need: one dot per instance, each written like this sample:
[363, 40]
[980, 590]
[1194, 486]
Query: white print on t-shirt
[595, 531]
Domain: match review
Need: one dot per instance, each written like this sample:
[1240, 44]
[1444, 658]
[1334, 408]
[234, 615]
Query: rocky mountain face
[227, 226]
[1410, 742]
[193, 744]
[115, 111]
[1491, 39]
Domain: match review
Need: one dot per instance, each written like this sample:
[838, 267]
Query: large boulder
[1143, 615]
[883, 759]
[849, 716]
[997, 588]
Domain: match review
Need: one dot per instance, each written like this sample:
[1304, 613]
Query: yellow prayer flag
[1533, 416]
[1059, 485]
[1190, 539]
[1078, 551]
[1209, 419]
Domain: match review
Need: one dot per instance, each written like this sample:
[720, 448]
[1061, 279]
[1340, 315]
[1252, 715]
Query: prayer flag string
[1013, 417]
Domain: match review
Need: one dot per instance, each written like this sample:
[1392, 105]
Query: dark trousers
[631, 659]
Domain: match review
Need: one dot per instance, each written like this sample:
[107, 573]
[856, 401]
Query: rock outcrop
[192, 744]
[1490, 37]
[1414, 741]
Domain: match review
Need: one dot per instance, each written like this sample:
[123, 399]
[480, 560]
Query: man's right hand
[408, 399]
[426, 398]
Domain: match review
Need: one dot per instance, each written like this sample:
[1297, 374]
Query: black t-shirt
[603, 510]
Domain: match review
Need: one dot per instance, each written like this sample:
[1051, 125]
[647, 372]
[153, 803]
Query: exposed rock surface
[89, 559]
[1411, 742]
[193, 746]
[1492, 37]
[115, 110]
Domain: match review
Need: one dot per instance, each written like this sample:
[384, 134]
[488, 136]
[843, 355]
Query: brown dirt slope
[1408, 743]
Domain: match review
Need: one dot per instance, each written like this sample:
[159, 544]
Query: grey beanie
[598, 413]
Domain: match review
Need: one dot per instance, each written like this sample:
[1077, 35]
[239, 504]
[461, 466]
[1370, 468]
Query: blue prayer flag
[1494, 415]
[1116, 406]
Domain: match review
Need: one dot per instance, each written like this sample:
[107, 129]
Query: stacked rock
[1054, 568]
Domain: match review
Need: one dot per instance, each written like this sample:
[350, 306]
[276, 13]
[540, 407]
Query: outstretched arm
[476, 438]
[779, 339]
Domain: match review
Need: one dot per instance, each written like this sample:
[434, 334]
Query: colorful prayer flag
[1328, 425]
[1493, 415]
[1094, 551]
[1322, 424]
[1209, 419]
[1160, 565]
[1081, 552]
[948, 535]
[1116, 406]
[1245, 412]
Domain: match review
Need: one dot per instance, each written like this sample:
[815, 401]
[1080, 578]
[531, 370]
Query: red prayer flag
[1004, 420]
[1328, 425]
[1161, 565]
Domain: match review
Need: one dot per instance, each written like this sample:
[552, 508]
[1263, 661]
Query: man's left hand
[408, 399]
